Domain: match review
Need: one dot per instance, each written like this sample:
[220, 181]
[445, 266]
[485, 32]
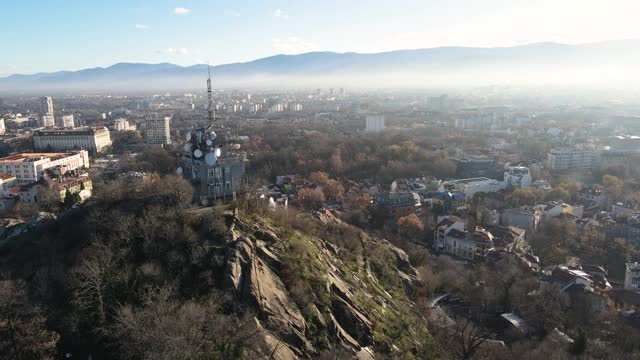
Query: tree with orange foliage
[410, 226]
[311, 199]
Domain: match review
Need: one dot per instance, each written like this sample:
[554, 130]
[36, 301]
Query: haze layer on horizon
[75, 34]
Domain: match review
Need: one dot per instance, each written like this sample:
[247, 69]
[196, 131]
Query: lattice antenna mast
[211, 112]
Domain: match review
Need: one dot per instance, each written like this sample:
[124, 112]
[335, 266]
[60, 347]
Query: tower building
[212, 159]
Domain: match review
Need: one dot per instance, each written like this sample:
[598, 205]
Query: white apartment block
[374, 123]
[68, 121]
[48, 121]
[517, 177]
[582, 156]
[470, 187]
[123, 125]
[92, 139]
[632, 276]
[29, 167]
[158, 131]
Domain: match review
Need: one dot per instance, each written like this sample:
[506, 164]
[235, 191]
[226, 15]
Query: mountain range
[611, 61]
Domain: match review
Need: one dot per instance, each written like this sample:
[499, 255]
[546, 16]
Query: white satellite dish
[236, 146]
[210, 158]
[189, 136]
[218, 152]
[209, 142]
[213, 135]
[179, 171]
[197, 153]
[187, 147]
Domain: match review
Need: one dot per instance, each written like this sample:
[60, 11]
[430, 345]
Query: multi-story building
[517, 177]
[451, 238]
[123, 125]
[30, 167]
[470, 187]
[7, 181]
[471, 166]
[47, 121]
[593, 195]
[93, 139]
[582, 156]
[527, 218]
[632, 276]
[2, 127]
[46, 106]
[158, 130]
[374, 123]
[396, 205]
[67, 121]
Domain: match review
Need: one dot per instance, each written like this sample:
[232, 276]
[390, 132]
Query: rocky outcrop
[251, 281]
[252, 267]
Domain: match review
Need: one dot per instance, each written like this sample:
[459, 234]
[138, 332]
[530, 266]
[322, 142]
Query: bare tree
[469, 337]
[23, 334]
[165, 328]
[92, 277]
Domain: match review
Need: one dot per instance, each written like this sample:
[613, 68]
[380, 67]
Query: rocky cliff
[311, 295]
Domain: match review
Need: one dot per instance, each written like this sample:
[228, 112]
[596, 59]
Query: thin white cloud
[181, 11]
[293, 45]
[141, 27]
[231, 12]
[175, 51]
[279, 13]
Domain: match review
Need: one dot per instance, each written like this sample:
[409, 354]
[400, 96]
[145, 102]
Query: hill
[605, 62]
[136, 275]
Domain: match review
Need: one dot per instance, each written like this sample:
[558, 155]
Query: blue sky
[51, 35]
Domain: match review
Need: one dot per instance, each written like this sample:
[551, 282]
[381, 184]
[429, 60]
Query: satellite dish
[197, 153]
[209, 142]
[179, 171]
[189, 136]
[213, 135]
[236, 146]
[218, 152]
[228, 136]
[187, 147]
[210, 158]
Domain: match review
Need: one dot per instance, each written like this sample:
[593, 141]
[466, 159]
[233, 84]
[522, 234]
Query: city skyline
[83, 35]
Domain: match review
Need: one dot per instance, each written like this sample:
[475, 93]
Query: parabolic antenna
[213, 135]
[209, 142]
[210, 158]
[218, 152]
[187, 147]
[236, 146]
[179, 171]
[189, 136]
[197, 153]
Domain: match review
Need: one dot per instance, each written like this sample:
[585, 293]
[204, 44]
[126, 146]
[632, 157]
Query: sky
[53, 35]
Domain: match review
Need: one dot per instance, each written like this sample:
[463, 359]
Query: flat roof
[4, 176]
[34, 156]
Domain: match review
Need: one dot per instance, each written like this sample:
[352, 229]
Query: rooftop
[395, 199]
[4, 176]
[25, 157]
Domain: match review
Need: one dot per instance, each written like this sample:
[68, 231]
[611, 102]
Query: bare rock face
[409, 276]
[349, 318]
[251, 281]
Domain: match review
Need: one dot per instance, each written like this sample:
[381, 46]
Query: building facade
[374, 123]
[46, 106]
[91, 139]
[157, 131]
[30, 167]
[579, 157]
[632, 276]
[517, 177]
